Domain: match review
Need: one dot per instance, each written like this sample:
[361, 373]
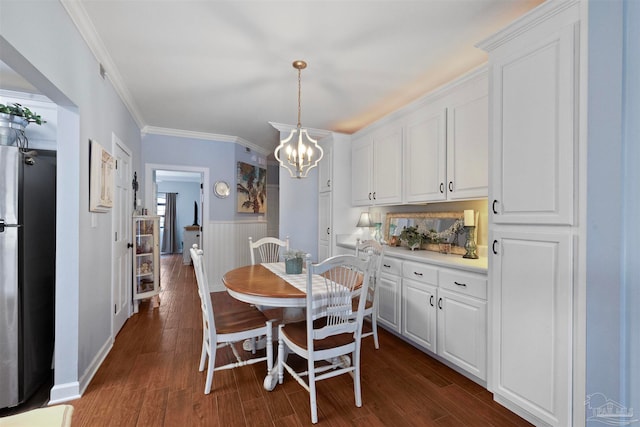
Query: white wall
[47, 50]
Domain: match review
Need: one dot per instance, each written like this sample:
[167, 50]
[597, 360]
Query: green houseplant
[20, 111]
[13, 120]
[412, 236]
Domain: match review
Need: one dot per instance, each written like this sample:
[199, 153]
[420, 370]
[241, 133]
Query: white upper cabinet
[387, 166]
[468, 143]
[425, 155]
[533, 128]
[376, 160]
[362, 171]
[446, 143]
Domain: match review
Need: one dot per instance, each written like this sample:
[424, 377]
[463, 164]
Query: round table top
[256, 284]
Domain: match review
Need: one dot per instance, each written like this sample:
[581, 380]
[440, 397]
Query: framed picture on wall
[251, 189]
[101, 165]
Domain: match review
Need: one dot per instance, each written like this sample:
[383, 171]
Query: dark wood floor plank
[150, 378]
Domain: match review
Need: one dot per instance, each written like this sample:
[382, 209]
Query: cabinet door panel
[425, 153]
[462, 331]
[532, 308]
[533, 131]
[419, 313]
[361, 171]
[388, 290]
[324, 225]
[468, 149]
[387, 166]
[325, 169]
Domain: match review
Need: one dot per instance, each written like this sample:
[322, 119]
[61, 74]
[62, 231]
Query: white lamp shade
[364, 220]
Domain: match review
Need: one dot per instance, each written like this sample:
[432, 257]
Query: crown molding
[88, 32]
[154, 130]
[314, 133]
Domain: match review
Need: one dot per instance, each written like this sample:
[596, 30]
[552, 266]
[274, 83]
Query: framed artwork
[252, 189]
[101, 165]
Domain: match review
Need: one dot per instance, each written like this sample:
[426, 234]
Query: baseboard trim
[95, 365]
[64, 392]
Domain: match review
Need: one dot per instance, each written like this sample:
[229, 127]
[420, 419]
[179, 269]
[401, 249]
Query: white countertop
[431, 257]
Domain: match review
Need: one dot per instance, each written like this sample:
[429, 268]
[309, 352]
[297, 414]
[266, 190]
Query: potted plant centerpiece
[293, 261]
[412, 236]
[13, 121]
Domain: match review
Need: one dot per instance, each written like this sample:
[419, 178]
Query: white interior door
[121, 225]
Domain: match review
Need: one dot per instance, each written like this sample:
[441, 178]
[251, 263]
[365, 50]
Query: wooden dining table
[258, 284]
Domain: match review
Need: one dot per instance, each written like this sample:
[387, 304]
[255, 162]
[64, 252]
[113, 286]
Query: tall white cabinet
[335, 213]
[534, 81]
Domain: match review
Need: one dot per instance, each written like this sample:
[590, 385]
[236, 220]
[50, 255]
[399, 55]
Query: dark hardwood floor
[151, 378]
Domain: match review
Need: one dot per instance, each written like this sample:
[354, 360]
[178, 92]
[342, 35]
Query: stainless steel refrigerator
[27, 271]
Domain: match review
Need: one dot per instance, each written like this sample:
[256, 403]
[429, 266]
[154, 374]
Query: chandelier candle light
[299, 147]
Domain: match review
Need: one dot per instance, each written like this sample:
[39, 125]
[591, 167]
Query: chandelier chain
[299, 95]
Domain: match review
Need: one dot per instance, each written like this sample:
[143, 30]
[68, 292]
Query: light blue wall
[219, 157]
[40, 42]
[188, 192]
[613, 205]
[631, 219]
[299, 211]
[604, 200]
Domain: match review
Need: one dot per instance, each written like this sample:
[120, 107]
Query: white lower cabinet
[462, 320]
[419, 296]
[445, 311]
[389, 292]
[532, 306]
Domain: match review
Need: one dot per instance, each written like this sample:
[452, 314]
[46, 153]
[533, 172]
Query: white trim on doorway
[149, 181]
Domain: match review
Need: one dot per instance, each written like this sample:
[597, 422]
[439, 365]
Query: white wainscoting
[226, 246]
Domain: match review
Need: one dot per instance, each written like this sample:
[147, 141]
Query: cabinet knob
[328, 232]
[374, 195]
[431, 300]
[369, 196]
[493, 247]
[386, 265]
[464, 285]
[417, 274]
[451, 186]
[129, 245]
[493, 207]
[328, 183]
[440, 303]
[442, 187]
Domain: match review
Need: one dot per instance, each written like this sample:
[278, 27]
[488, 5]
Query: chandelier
[297, 152]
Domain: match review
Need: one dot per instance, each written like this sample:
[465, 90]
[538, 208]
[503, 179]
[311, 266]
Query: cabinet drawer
[465, 283]
[391, 266]
[420, 272]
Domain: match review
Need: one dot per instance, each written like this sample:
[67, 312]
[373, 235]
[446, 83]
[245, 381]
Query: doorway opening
[176, 193]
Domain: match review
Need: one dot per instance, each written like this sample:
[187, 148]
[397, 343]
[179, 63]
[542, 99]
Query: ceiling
[224, 68]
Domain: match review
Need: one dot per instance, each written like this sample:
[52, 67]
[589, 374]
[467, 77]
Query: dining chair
[225, 322]
[329, 333]
[376, 250]
[268, 249]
